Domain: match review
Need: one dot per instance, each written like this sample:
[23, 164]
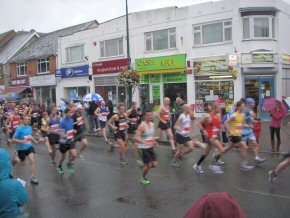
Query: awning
[17, 90]
[178, 70]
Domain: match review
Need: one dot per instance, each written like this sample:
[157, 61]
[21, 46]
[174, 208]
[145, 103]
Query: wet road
[102, 188]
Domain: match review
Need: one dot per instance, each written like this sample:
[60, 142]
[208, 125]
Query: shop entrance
[260, 89]
[174, 90]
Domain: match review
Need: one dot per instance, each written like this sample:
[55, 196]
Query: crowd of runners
[60, 132]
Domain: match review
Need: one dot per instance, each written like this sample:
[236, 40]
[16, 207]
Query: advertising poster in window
[199, 106]
[156, 96]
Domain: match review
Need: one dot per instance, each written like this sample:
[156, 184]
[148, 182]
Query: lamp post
[128, 55]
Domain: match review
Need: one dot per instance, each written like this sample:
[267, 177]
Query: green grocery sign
[161, 63]
[174, 77]
[209, 66]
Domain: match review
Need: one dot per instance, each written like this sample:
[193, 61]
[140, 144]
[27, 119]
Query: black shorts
[164, 126]
[11, 134]
[102, 124]
[236, 139]
[120, 135]
[34, 121]
[132, 128]
[66, 147]
[180, 139]
[23, 153]
[53, 139]
[79, 137]
[43, 133]
[148, 155]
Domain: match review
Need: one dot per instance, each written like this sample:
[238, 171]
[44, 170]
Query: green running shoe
[144, 181]
[60, 170]
[70, 168]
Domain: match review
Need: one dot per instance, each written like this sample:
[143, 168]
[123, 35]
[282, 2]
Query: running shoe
[259, 160]
[144, 181]
[246, 166]
[219, 161]
[60, 170]
[53, 164]
[34, 180]
[70, 168]
[216, 169]
[272, 176]
[174, 163]
[198, 169]
[81, 157]
[180, 158]
[123, 162]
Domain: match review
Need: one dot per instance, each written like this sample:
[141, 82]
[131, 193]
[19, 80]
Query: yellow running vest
[237, 124]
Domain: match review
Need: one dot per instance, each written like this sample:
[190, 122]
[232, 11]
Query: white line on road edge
[262, 193]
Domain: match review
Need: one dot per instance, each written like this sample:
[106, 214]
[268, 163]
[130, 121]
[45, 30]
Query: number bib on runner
[239, 128]
[70, 134]
[27, 138]
[215, 132]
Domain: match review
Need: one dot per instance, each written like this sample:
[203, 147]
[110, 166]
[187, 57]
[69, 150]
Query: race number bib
[122, 126]
[15, 124]
[215, 132]
[239, 127]
[27, 139]
[54, 127]
[149, 140]
[70, 134]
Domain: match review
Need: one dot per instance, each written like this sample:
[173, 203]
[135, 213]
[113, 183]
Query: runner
[11, 124]
[79, 122]
[53, 122]
[119, 126]
[182, 136]
[164, 124]
[102, 112]
[21, 108]
[132, 115]
[23, 138]
[248, 133]
[8, 111]
[210, 127]
[235, 125]
[146, 142]
[34, 114]
[66, 131]
[44, 130]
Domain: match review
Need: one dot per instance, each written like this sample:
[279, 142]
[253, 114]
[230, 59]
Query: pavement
[102, 188]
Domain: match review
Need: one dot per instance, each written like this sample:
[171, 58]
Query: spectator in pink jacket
[277, 114]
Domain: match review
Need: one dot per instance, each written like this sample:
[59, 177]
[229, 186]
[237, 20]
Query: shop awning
[17, 90]
[178, 70]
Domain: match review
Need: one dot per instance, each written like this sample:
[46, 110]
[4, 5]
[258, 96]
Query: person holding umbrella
[276, 113]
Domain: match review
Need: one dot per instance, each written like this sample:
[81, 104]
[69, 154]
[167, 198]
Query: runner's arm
[177, 124]
[16, 139]
[228, 123]
[110, 123]
[7, 122]
[139, 132]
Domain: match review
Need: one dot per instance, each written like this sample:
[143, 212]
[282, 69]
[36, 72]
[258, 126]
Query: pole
[128, 55]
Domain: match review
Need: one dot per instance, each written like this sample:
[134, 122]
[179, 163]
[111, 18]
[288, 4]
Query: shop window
[21, 69]
[217, 32]
[75, 54]
[286, 83]
[208, 91]
[111, 48]
[259, 27]
[160, 40]
[43, 66]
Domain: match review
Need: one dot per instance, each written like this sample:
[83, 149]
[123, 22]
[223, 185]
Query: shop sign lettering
[161, 63]
[19, 82]
[156, 78]
[209, 66]
[263, 58]
[144, 79]
[285, 59]
[174, 77]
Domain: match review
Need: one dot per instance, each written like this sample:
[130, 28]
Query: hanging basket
[128, 78]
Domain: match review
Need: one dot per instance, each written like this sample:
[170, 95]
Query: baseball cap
[250, 101]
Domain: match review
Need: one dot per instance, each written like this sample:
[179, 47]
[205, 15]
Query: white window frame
[252, 27]
[103, 44]
[225, 26]
[43, 61]
[149, 36]
[18, 66]
[67, 50]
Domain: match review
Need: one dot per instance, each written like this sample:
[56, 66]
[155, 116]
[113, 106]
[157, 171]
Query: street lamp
[128, 55]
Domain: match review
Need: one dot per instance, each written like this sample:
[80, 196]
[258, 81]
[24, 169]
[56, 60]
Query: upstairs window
[160, 40]
[75, 54]
[259, 27]
[43, 66]
[112, 47]
[21, 69]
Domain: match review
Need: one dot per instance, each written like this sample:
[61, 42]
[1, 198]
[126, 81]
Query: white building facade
[223, 50]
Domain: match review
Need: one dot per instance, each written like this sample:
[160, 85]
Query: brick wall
[2, 82]
[31, 67]
[52, 64]
[13, 71]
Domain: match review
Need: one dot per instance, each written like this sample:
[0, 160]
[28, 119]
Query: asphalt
[102, 188]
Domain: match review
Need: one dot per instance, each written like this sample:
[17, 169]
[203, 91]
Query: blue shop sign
[72, 72]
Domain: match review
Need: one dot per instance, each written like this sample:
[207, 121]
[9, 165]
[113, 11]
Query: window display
[208, 91]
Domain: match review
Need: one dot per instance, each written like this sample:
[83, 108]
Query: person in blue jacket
[12, 193]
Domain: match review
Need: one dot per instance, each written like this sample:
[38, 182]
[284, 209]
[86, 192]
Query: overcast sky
[49, 15]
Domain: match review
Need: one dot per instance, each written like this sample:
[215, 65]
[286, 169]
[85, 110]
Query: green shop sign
[161, 63]
[174, 77]
[156, 78]
[210, 66]
[263, 58]
[144, 79]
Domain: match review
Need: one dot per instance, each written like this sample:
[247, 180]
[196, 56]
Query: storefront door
[260, 89]
[174, 90]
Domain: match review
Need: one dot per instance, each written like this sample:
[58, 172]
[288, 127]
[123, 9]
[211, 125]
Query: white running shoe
[198, 169]
[216, 169]
[246, 166]
[81, 157]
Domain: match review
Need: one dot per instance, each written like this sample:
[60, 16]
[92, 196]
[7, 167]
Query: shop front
[19, 86]
[44, 88]
[73, 82]
[105, 80]
[259, 76]
[214, 79]
[162, 77]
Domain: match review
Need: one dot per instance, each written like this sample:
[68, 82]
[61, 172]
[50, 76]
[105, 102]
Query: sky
[49, 15]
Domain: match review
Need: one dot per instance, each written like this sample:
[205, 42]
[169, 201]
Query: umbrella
[12, 95]
[269, 104]
[93, 97]
[65, 100]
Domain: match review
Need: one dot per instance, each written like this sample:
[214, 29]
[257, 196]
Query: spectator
[216, 205]
[91, 117]
[13, 194]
